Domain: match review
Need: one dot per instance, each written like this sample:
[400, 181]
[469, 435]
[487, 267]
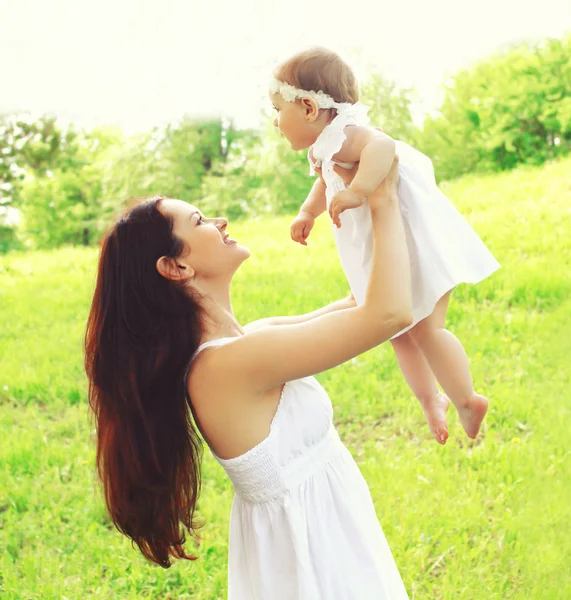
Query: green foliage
[187, 151]
[73, 203]
[28, 147]
[8, 236]
[509, 109]
[65, 205]
[28, 143]
[261, 174]
[63, 209]
[389, 107]
[471, 520]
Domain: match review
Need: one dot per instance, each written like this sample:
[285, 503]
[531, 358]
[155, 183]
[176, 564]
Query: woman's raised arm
[271, 356]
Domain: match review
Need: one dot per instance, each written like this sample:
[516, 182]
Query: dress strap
[213, 343]
[313, 164]
[210, 344]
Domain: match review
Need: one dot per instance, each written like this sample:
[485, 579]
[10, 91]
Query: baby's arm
[313, 206]
[375, 152]
[315, 203]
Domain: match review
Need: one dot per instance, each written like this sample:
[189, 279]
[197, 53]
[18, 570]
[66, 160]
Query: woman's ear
[171, 268]
[310, 108]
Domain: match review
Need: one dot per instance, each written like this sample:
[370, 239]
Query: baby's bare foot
[435, 412]
[472, 415]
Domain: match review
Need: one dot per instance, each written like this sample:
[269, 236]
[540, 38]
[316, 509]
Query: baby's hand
[343, 200]
[301, 227]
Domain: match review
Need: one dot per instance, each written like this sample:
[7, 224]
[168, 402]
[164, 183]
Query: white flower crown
[290, 94]
[346, 112]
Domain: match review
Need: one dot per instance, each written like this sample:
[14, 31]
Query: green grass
[473, 520]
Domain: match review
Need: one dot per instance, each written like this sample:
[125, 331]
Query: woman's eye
[199, 221]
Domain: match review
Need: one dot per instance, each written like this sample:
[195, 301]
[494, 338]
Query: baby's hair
[318, 69]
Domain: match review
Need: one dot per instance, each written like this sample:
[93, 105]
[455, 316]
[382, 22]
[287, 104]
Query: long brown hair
[141, 334]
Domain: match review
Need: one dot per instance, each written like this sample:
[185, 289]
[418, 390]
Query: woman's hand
[268, 357]
[345, 174]
[388, 187]
[342, 201]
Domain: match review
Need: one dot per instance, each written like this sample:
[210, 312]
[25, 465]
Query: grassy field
[471, 520]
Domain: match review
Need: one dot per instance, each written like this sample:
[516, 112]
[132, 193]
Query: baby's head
[301, 120]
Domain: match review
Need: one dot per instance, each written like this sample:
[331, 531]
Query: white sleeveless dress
[444, 250]
[303, 525]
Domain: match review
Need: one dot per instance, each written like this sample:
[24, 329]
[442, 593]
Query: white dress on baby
[303, 524]
[444, 250]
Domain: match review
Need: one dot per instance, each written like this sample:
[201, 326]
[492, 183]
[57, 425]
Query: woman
[162, 337]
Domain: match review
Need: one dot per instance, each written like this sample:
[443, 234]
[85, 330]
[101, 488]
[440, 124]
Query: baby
[316, 97]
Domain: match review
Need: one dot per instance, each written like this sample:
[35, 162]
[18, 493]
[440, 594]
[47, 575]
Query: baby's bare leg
[449, 363]
[421, 381]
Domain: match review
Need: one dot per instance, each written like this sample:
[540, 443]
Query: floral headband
[290, 94]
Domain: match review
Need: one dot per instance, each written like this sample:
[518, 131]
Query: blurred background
[102, 102]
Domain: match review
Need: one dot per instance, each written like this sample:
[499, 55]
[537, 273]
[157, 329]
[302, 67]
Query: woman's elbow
[395, 321]
[404, 319]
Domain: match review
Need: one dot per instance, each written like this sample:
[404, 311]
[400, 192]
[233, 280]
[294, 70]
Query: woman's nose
[221, 223]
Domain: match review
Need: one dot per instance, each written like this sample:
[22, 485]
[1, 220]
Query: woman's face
[210, 251]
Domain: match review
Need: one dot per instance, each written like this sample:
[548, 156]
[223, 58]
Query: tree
[260, 174]
[74, 203]
[28, 148]
[509, 109]
[29, 145]
[389, 107]
[64, 206]
[170, 161]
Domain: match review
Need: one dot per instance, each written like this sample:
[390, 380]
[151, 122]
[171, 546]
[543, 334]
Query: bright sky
[143, 62]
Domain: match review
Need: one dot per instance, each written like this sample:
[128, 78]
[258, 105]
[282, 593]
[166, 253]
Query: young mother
[162, 339]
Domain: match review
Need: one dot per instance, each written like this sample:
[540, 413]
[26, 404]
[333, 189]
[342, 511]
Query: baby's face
[292, 123]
